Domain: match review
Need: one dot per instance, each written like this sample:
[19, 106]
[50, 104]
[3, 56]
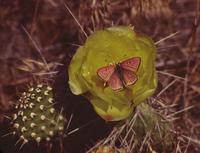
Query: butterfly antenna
[68, 9]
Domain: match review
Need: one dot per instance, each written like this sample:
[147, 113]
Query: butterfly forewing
[131, 64]
[129, 77]
[106, 72]
[114, 82]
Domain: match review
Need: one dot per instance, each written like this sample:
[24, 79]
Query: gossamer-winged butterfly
[120, 75]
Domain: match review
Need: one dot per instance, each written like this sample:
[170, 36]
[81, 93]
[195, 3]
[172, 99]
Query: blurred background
[29, 28]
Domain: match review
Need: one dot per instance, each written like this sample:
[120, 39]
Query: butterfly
[120, 75]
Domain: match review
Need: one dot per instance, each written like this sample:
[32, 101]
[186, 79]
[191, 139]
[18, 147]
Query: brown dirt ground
[57, 35]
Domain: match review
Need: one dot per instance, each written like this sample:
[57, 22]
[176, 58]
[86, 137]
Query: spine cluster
[35, 117]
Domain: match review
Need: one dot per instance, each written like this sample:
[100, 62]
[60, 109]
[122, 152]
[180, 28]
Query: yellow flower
[111, 46]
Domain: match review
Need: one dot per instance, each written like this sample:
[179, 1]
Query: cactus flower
[110, 47]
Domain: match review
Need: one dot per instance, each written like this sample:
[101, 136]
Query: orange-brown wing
[106, 72]
[131, 64]
[114, 82]
[129, 77]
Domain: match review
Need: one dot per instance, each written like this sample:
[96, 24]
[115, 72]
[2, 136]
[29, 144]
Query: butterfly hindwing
[129, 77]
[131, 64]
[106, 72]
[114, 81]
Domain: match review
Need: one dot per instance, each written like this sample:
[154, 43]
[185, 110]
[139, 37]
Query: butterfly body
[120, 75]
[119, 71]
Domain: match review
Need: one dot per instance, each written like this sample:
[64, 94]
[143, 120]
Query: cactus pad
[35, 117]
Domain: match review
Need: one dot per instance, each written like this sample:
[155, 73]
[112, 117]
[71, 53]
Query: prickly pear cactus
[35, 117]
[108, 47]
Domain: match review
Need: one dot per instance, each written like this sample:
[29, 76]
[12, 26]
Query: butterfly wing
[131, 64]
[114, 81]
[105, 72]
[111, 76]
[129, 77]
